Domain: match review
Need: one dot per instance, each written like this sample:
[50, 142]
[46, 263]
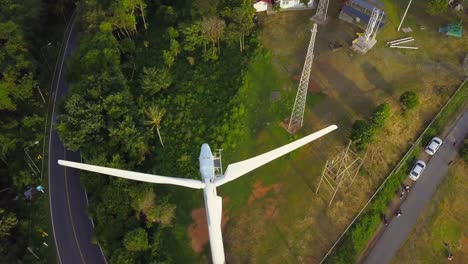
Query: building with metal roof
[359, 11]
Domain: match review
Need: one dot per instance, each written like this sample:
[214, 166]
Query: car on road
[417, 170]
[433, 146]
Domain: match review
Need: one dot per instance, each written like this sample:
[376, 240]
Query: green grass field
[443, 221]
[289, 223]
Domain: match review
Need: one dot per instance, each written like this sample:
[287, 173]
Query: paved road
[419, 197]
[72, 228]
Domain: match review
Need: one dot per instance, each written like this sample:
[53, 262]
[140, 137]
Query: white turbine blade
[137, 176]
[240, 168]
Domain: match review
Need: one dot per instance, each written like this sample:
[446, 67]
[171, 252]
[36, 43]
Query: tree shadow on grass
[351, 97]
[375, 77]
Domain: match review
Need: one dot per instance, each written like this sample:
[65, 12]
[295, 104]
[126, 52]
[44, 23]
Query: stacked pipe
[397, 43]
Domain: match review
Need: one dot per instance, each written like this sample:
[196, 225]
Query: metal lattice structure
[218, 164]
[373, 25]
[341, 169]
[321, 14]
[367, 40]
[297, 115]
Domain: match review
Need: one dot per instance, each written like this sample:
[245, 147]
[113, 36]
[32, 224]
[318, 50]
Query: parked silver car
[417, 170]
[433, 146]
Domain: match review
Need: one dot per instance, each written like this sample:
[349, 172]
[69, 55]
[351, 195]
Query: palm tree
[155, 114]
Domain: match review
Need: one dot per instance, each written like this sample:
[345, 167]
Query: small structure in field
[262, 5]
[295, 4]
[453, 30]
[342, 169]
[360, 11]
[457, 5]
[267, 5]
[366, 41]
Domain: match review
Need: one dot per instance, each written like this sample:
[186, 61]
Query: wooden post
[321, 178]
[358, 168]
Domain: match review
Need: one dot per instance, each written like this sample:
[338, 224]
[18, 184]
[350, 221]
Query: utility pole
[5, 189]
[42, 96]
[46, 57]
[30, 159]
[297, 115]
[404, 15]
[32, 252]
[321, 14]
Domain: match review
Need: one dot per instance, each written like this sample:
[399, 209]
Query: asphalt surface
[420, 196]
[72, 229]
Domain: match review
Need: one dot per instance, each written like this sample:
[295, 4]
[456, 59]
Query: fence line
[395, 168]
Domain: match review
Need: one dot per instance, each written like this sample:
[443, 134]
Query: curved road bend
[72, 229]
[419, 197]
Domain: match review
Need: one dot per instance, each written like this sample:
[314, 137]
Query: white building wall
[294, 3]
[261, 6]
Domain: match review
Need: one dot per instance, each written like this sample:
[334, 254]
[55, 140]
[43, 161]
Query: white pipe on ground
[404, 47]
[401, 42]
[397, 40]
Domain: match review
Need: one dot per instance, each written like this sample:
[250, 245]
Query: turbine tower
[209, 182]
[297, 115]
[321, 14]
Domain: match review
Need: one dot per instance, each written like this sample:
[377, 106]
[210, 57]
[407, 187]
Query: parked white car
[417, 170]
[433, 146]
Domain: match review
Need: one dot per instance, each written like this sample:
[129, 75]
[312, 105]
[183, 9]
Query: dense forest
[150, 82]
[30, 35]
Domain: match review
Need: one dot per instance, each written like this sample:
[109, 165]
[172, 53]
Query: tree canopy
[147, 67]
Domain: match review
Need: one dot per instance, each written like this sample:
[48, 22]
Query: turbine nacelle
[206, 158]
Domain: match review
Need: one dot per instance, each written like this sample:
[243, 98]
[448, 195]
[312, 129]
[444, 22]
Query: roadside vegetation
[458, 102]
[464, 150]
[151, 81]
[441, 228]
[357, 237]
[30, 35]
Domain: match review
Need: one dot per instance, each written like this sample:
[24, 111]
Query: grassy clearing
[392, 12]
[350, 86]
[365, 226]
[443, 221]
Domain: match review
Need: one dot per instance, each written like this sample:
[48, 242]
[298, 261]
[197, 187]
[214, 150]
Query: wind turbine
[213, 202]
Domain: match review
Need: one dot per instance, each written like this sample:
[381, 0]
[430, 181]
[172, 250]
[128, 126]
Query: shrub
[380, 115]
[136, 240]
[464, 150]
[435, 7]
[363, 133]
[409, 100]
